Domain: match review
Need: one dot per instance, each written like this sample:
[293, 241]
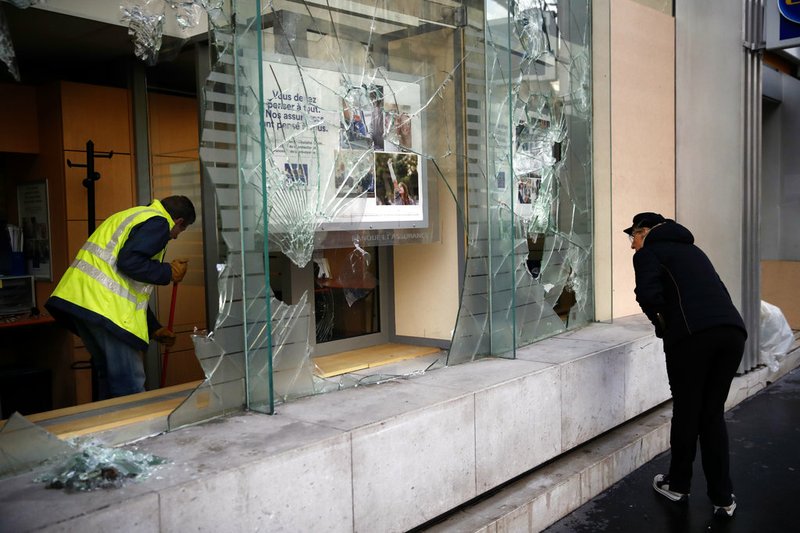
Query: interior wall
[790, 170]
[642, 130]
[603, 231]
[19, 126]
[780, 286]
[710, 138]
[175, 169]
[664, 6]
[779, 242]
[769, 229]
[426, 275]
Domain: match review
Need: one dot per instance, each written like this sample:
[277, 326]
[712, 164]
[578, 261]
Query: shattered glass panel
[358, 122]
[334, 128]
[146, 20]
[24, 445]
[226, 154]
[528, 272]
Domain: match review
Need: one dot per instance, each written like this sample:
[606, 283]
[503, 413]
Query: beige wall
[601, 159]
[426, 275]
[642, 104]
[711, 147]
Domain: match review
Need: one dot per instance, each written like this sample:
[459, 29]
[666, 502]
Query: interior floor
[367, 358]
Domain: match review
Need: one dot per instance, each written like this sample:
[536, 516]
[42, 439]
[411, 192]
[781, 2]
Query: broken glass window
[146, 20]
[538, 182]
[335, 125]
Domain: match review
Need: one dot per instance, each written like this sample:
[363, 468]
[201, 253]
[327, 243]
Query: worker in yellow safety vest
[103, 296]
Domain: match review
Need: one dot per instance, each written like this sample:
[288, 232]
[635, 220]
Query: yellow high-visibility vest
[93, 281]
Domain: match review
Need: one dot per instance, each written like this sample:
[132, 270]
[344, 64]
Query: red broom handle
[165, 356]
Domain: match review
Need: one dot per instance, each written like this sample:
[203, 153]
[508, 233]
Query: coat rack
[91, 177]
[88, 182]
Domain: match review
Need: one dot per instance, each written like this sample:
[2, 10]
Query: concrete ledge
[388, 457]
[537, 500]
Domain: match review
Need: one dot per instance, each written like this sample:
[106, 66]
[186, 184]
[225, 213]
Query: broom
[165, 356]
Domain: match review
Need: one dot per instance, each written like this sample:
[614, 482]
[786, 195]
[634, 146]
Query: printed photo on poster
[528, 188]
[397, 178]
[354, 174]
[34, 219]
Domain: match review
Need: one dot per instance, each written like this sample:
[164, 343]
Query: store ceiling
[51, 46]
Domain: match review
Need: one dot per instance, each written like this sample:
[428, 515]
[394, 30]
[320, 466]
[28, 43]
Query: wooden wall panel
[100, 114]
[77, 234]
[173, 125]
[189, 306]
[183, 367]
[49, 166]
[114, 191]
[780, 286]
[19, 124]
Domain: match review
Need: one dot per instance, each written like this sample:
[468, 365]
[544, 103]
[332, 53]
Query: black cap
[645, 220]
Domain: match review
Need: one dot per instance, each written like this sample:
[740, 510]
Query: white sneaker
[661, 485]
[727, 510]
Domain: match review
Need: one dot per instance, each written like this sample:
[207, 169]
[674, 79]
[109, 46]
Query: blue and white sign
[790, 9]
[782, 24]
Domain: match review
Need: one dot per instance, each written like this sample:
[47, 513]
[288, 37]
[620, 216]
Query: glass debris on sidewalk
[95, 466]
[73, 465]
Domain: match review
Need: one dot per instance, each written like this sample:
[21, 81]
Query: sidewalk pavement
[764, 433]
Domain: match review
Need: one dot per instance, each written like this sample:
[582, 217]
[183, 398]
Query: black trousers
[700, 370]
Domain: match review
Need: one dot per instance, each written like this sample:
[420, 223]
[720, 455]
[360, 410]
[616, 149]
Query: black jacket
[677, 286]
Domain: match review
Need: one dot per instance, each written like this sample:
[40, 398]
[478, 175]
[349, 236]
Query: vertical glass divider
[264, 204]
[239, 157]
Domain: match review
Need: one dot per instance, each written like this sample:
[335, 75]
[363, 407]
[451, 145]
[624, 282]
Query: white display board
[352, 142]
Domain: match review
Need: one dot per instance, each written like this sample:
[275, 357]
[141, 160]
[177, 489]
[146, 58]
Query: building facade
[446, 180]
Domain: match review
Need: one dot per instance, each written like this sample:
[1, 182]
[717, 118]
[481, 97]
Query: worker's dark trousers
[119, 367]
[700, 369]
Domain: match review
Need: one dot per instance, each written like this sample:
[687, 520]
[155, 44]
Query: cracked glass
[337, 135]
[528, 272]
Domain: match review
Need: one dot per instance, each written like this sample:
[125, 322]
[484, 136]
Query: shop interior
[72, 152]
[84, 106]
[92, 130]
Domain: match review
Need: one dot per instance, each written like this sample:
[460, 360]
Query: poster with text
[349, 145]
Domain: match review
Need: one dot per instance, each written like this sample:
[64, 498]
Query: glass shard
[24, 445]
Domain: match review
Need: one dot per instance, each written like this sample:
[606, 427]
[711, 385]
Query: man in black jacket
[704, 335]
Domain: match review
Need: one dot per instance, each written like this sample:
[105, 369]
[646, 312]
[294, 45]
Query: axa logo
[790, 9]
